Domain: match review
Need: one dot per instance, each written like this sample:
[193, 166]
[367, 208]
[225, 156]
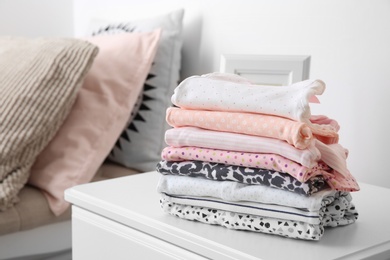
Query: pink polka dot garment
[295, 133]
[266, 161]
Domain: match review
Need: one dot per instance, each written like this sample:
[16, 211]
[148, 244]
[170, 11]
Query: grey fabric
[33, 209]
[62, 255]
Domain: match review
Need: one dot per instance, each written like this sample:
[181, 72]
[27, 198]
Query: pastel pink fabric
[334, 155]
[295, 133]
[98, 116]
[325, 133]
[193, 136]
[324, 120]
[264, 161]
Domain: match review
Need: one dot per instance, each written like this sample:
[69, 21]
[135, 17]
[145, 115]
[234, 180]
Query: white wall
[349, 46]
[348, 42]
[36, 18]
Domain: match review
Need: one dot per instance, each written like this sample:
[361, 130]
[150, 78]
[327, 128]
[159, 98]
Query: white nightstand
[121, 219]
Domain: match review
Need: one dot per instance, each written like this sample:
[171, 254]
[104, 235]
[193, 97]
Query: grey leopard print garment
[223, 172]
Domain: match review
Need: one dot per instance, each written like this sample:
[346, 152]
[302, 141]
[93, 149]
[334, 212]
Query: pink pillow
[99, 115]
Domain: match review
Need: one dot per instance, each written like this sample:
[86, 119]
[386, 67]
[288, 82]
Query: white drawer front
[96, 237]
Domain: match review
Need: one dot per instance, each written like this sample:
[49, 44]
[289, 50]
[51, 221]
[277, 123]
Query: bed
[96, 110]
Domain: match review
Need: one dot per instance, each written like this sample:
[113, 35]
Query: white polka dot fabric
[218, 92]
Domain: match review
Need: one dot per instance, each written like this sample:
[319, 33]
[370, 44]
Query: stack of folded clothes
[252, 157]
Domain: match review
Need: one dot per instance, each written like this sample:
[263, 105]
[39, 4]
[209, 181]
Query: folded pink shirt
[274, 162]
[193, 136]
[295, 133]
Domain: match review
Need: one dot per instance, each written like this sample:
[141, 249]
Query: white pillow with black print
[141, 143]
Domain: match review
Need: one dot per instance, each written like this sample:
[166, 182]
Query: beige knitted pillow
[39, 79]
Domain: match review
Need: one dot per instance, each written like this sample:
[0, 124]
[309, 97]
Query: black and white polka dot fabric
[238, 221]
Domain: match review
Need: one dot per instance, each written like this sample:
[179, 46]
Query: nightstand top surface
[134, 202]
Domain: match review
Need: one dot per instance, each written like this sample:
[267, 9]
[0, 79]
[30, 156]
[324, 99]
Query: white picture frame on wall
[274, 70]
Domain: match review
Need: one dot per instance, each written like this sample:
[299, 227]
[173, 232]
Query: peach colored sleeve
[324, 129]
